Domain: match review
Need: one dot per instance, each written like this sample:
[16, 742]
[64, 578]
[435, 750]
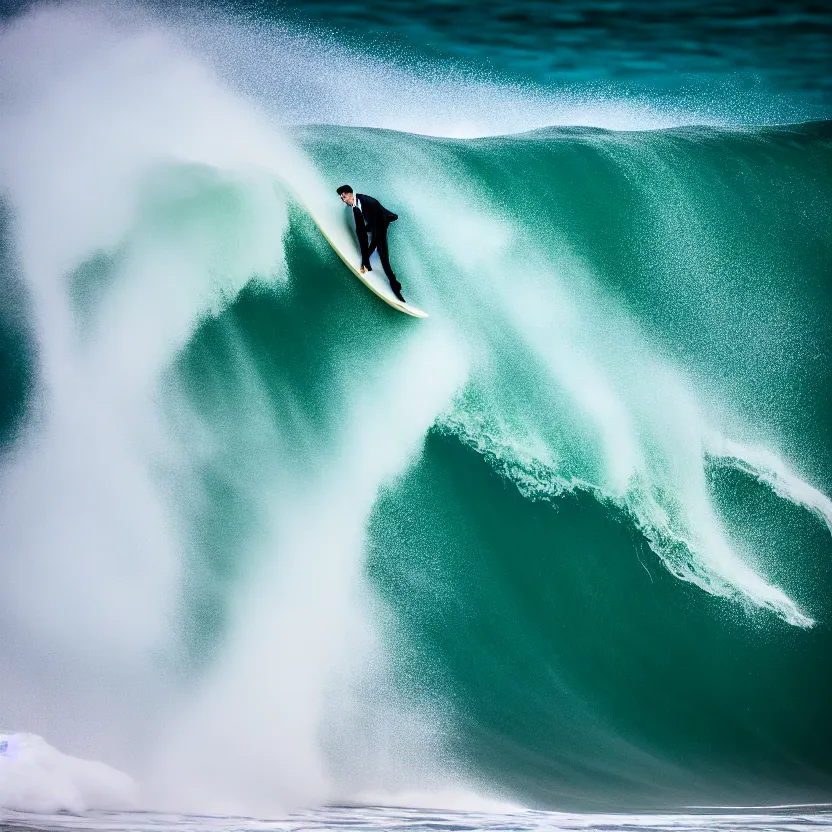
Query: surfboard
[345, 244]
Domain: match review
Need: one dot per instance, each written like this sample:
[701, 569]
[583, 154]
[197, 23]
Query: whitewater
[269, 546]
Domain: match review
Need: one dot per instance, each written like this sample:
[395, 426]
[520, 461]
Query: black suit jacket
[373, 218]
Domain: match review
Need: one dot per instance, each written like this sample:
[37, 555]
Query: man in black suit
[371, 216]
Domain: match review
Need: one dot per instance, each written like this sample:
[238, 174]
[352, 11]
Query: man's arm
[361, 233]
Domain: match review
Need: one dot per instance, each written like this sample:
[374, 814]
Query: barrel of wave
[35, 777]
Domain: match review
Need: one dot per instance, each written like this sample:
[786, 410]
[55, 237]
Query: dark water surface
[772, 60]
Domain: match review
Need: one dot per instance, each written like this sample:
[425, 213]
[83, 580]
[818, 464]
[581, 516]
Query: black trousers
[379, 241]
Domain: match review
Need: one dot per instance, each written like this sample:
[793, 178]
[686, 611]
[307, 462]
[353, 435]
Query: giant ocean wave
[268, 542]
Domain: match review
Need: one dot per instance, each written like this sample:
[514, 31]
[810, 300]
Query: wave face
[614, 600]
[566, 542]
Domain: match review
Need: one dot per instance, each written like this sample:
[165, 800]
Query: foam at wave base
[35, 777]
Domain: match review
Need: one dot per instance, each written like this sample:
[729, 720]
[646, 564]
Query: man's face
[349, 199]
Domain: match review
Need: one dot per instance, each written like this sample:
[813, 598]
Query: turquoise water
[757, 60]
[565, 544]
[579, 638]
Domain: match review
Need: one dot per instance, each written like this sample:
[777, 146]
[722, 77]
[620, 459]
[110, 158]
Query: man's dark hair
[344, 189]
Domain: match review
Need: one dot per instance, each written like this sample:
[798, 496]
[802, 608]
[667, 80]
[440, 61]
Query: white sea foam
[35, 777]
[108, 137]
[483, 816]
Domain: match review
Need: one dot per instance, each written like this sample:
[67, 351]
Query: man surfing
[373, 218]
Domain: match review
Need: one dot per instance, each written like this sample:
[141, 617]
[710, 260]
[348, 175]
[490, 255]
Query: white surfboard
[341, 236]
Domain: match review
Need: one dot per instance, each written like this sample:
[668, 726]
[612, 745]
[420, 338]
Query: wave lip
[768, 468]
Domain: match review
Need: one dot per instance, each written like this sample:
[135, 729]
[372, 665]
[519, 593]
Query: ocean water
[793, 819]
[774, 54]
[557, 557]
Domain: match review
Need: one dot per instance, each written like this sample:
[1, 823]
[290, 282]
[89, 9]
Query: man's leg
[384, 256]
